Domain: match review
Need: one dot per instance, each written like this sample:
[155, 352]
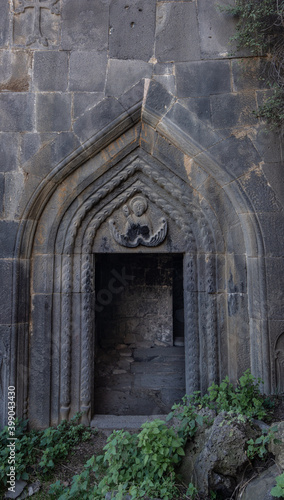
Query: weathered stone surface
[51, 71]
[53, 112]
[83, 101]
[9, 144]
[260, 487]
[14, 183]
[278, 448]
[17, 112]
[2, 185]
[131, 30]
[168, 81]
[235, 155]
[275, 283]
[4, 24]
[273, 174]
[84, 24]
[8, 232]
[203, 78]
[241, 108]
[248, 74]
[216, 451]
[188, 123]
[268, 144]
[124, 74]
[88, 71]
[216, 28]
[200, 106]
[15, 71]
[157, 102]
[177, 37]
[97, 118]
[6, 290]
[44, 151]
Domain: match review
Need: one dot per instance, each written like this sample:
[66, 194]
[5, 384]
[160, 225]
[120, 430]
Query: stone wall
[99, 81]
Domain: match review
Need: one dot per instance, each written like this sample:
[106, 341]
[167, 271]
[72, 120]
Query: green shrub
[278, 490]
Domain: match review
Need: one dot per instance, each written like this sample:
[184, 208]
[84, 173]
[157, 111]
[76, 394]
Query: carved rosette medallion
[138, 229]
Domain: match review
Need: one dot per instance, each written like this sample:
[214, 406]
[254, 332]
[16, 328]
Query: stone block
[9, 144]
[53, 112]
[88, 71]
[6, 289]
[158, 100]
[83, 101]
[203, 78]
[275, 287]
[268, 144]
[248, 74]
[200, 106]
[164, 69]
[93, 121]
[131, 29]
[177, 36]
[271, 226]
[15, 71]
[235, 155]
[124, 74]
[274, 175]
[42, 274]
[195, 174]
[16, 112]
[201, 136]
[216, 28]
[168, 82]
[43, 153]
[4, 23]
[241, 108]
[2, 187]
[259, 192]
[32, 143]
[133, 96]
[84, 24]
[14, 189]
[8, 233]
[170, 156]
[50, 70]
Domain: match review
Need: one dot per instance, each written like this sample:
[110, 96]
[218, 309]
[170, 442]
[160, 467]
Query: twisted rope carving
[191, 324]
[65, 371]
[87, 332]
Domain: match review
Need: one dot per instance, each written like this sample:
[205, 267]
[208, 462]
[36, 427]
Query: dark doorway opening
[139, 354]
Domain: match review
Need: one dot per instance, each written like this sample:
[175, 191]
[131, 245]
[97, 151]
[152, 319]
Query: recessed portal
[139, 355]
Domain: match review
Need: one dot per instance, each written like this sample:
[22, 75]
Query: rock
[214, 458]
[278, 448]
[19, 486]
[260, 487]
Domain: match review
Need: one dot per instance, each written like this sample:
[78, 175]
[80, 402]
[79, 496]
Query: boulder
[278, 448]
[259, 488]
[216, 455]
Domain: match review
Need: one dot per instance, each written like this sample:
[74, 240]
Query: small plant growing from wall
[260, 28]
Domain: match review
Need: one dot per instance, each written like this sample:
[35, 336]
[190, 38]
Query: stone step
[117, 422]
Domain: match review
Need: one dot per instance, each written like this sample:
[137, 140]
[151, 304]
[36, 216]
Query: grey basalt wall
[65, 83]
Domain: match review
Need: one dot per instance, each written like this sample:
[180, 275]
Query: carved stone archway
[68, 220]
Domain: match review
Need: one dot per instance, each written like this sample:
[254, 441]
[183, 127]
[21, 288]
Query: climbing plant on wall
[260, 28]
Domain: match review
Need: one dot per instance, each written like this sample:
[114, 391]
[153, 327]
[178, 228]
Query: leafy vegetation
[39, 450]
[278, 490]
[260, 28]
[258, 447]
[244, 399]
[140, 464]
